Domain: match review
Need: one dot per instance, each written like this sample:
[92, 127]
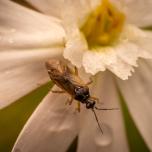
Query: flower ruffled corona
[103, 26]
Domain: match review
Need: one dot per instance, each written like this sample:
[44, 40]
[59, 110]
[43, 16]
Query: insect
[69, 81]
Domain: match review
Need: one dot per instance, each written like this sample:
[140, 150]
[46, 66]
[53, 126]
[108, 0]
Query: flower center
[103, 26]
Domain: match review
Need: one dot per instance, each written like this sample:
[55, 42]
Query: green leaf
[73, 146]
[135, 140]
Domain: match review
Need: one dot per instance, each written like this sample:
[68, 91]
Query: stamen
[103, 25]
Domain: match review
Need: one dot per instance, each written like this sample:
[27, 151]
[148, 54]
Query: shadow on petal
[52, 127]
[113, 137]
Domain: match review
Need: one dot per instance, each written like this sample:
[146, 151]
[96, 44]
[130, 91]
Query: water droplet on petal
[106, 138]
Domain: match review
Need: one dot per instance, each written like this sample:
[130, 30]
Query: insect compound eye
[81, 93]
[89, 105]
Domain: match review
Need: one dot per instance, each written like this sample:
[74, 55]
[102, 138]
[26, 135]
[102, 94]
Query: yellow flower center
[103, 26]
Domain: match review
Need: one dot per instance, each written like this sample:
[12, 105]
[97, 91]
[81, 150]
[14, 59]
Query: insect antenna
[97, 120]
[106, 108]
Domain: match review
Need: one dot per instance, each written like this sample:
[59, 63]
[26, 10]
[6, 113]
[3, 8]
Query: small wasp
[68, 80]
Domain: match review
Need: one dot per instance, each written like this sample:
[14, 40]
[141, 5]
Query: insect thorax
[82, 93]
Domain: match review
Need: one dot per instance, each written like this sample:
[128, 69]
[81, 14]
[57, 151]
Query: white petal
[141, 39]
[107, 58]
[75, 48]
[138, 94]
[138, 12]
[13, 58]
[75, 11]
[113, 138]
[22, 27]
[49, 7]
[73, 14]
[22, 71]
[145, 45]
[121, 57]
[51, 128]
[131, 33]
[17, 82]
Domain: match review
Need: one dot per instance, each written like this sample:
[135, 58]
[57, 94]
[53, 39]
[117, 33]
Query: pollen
[103, 25]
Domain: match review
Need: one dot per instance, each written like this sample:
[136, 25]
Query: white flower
[103, 39]
[29, 38]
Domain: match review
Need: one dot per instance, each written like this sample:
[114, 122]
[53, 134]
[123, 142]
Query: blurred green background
[13, 118]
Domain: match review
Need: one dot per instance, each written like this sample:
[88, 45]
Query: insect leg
[69, 101]
[57, 91]
[78, 106]
[106, 108]
[75, 70]
[96, 99]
